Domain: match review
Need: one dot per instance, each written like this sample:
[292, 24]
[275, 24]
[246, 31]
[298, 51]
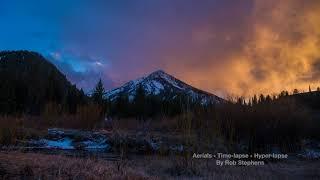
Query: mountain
[164, 86]
[29, 82]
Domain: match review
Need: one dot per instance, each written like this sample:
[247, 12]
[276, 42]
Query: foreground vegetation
[262, 127]
[16, 165]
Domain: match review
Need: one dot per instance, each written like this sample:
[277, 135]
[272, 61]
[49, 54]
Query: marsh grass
[16, 165]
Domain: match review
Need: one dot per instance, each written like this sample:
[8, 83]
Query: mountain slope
[165, 86]
[29, 81]
[307, 99]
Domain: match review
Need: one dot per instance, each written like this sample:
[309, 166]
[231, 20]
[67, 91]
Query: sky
[225, 47]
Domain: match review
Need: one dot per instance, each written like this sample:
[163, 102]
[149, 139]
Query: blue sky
[41, 26]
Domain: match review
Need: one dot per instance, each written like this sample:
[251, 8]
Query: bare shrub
[88, 116]
[51, 113]
[8, 130]
[279, 123]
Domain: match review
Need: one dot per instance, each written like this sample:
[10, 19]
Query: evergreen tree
[121, 107]
[98, 93]
[241, 101]
[261, 98]
[284, 93]
[254, 100]
[82, 97]
[139, 102]
[274, 97]
[268, 98]
[287, 93]
[250, 103]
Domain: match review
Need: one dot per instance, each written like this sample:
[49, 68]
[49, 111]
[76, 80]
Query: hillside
[29, 82]
[308, 99]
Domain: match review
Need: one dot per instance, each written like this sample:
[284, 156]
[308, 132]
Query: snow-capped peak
[159, 83]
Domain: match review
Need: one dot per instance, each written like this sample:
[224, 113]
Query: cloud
[84, 71]
[284, 46]
[240, 47]
[275, 49]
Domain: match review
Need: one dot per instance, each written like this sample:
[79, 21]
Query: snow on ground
[115, 91]
[89, 145]
[65, 143]
[70, 144]
[131, 98]
[172, 82]
[68, 139]
[310, 154]
[158, 87]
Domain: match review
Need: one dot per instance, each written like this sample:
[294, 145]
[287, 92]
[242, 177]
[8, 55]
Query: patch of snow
[71, 139]
[178, 148]
[95, 145]
[157, 87]
[157, 84]
[131, 97]
[65, 143]
[155, 146]
[133, 83]
[115, 91]
[193, 94]
[172, 82]
[55, 131]
[310, 154]
[148, 88]
[204, 101]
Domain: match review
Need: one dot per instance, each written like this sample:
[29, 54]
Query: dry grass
[86, 117]
[15, 165]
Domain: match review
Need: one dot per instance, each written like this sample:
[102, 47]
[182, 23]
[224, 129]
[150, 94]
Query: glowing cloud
[280, 50]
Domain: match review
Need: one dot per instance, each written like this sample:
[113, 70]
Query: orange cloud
[278, 50]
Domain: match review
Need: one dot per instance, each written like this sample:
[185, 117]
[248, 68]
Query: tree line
[142, 105]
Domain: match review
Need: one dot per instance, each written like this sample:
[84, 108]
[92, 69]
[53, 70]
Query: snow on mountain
[163, 85]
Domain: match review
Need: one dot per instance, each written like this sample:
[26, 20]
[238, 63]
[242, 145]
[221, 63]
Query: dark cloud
[85, 74]
[259, 74]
